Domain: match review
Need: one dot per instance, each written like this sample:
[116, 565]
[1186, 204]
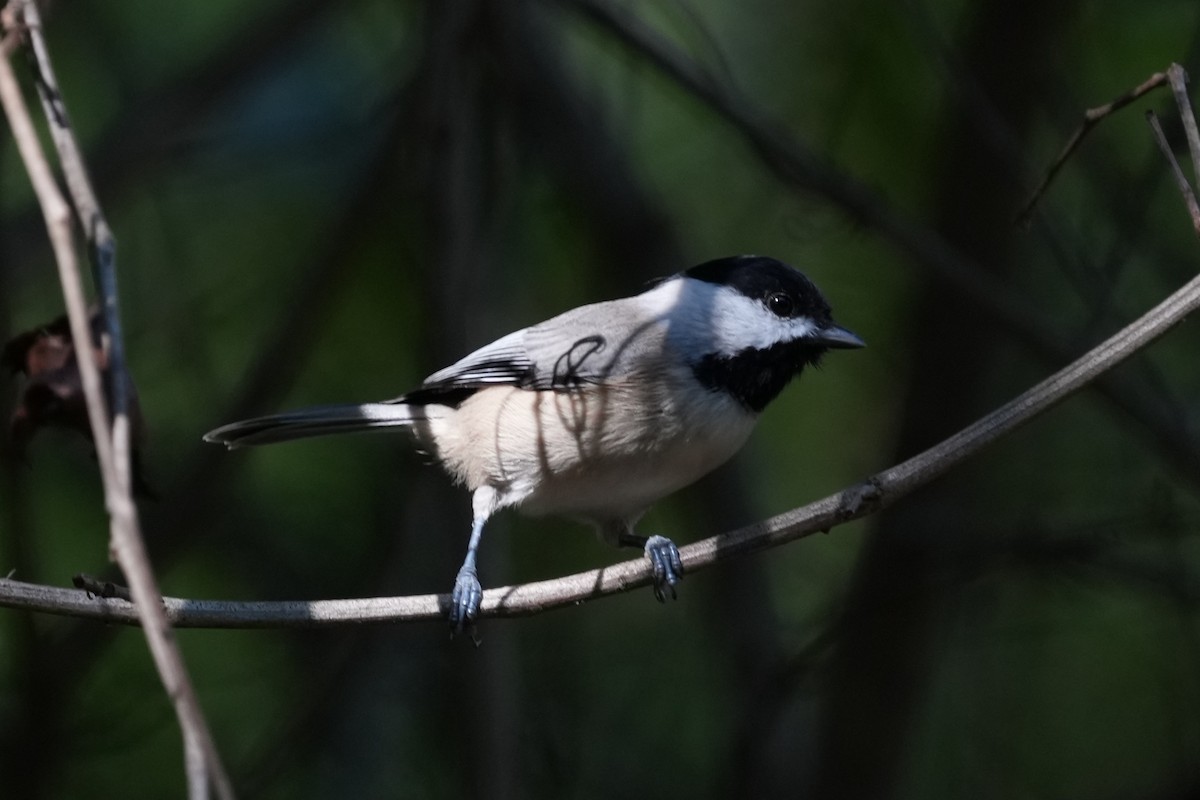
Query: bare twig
[1091, 118]
[878, 491]
[1181, 181]
[112, 444]
[278, 359]
[1178, 78]
[95, 227]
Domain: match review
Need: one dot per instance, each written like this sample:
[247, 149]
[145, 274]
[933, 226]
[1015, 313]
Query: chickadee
[603, 410]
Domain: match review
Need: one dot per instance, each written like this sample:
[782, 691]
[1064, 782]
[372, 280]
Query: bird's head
[762, 323]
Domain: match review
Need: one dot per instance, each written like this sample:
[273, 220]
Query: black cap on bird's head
[792, 326]
[784, 291]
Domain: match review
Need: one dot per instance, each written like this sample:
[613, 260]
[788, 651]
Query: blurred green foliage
[322, 202]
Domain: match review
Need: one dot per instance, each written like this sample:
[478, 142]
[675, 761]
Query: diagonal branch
[95, 228]
[1181, 181]
[112, 443]
[877, 492]
[1091, 118]
[1178, 79]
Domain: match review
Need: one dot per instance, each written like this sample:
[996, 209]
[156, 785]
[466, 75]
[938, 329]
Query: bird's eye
[781, 304]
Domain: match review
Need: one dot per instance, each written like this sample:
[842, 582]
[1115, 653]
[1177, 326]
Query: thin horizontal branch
[879, 491]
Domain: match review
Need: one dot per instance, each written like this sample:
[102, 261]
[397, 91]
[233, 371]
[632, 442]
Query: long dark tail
[319, 421]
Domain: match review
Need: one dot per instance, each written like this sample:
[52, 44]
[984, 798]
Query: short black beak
[837, 337]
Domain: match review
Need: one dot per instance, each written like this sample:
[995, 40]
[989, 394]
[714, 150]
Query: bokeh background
[320, 202]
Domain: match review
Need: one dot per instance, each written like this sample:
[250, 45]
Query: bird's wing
[588, 344]
[504, 361]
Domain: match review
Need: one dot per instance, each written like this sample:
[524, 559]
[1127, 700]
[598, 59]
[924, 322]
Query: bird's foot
[667, 566]
[464, 601]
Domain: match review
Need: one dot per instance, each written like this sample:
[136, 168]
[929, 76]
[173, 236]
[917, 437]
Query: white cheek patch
[708, 318]
[753, 327]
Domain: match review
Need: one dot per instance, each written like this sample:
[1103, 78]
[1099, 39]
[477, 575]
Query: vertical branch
[1178, 79]
[1181, 181]
[95, 227]
[202, 762]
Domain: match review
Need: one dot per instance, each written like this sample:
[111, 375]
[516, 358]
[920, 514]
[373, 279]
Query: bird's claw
[666, 566]
[465, 600]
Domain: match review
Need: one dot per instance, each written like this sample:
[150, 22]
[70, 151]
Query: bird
[603, 410]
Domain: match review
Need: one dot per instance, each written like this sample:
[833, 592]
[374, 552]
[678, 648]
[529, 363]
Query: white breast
[582, 453]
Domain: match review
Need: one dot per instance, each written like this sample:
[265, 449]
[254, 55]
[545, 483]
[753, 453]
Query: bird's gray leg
[468, 592]
[666, 565]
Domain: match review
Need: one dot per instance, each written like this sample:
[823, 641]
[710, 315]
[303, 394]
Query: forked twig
[1091, 118]
[1178, 80]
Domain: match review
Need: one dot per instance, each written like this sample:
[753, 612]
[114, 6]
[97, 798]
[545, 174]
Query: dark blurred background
[319, 202]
